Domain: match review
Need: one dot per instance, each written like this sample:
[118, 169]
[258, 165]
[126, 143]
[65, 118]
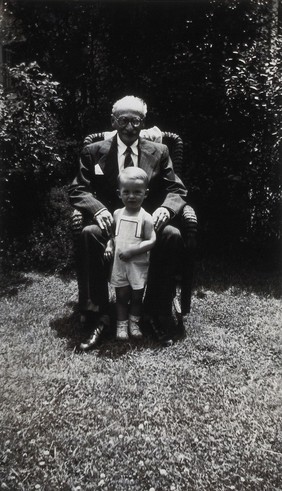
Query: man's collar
[122, 147]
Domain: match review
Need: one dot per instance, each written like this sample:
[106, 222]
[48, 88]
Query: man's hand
[160, 217]
[105, 221]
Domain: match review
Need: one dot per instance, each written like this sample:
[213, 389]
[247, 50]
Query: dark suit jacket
[95, 186]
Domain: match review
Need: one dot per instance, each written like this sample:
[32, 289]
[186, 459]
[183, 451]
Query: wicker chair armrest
[189, 226]
[94, 137]
[175, 145]
[76, 223]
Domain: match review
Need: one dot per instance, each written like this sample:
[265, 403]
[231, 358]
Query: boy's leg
[135, 313]
[123, 295]
[136, 302]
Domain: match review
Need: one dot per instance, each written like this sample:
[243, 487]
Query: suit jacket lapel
[147, 159]
[109, 162]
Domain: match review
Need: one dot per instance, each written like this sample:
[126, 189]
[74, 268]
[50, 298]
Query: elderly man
[94, 193]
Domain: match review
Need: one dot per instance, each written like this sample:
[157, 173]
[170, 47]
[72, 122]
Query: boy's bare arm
[149, 235]
[109, 251]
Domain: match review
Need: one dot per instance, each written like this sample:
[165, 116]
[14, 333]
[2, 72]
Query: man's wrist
[168, 210]
[99, 211]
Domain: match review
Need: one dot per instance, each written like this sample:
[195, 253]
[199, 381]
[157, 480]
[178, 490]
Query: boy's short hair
[133, 173]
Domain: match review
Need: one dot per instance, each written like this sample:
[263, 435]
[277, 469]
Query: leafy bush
[212, 74]
[50, 243]
[29, 123]
[252, 75]
[33, 160]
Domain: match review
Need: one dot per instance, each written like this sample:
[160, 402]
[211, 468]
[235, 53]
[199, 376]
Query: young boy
[134, 237]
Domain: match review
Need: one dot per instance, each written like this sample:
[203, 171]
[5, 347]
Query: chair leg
[187, 285]
[176, 303]
[189, 232]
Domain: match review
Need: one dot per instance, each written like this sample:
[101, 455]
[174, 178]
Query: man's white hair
[130, 102]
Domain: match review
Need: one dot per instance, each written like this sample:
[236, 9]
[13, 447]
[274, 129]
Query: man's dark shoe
[86, 320]
[161, 328]
[179, 330]
[95, 336]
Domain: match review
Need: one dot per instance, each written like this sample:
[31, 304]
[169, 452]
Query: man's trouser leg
[165, 262]
[92, 271]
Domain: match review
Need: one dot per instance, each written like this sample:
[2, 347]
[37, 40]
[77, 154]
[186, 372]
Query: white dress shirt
[121, 153]
[121, 158]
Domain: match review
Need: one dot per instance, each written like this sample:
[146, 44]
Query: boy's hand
[109, 253]
[125, 255]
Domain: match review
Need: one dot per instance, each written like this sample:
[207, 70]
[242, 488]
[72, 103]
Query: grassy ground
[202, 415]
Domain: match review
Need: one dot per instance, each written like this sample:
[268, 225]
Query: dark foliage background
[209, 71]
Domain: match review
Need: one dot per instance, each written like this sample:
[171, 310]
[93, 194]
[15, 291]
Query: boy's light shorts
[133, 273]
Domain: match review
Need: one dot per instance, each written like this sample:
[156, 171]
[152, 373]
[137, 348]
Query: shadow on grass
[260, 277]
[69, 327]
[11, 283]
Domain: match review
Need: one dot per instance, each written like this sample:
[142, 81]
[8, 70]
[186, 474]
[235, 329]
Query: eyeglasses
[122, 121]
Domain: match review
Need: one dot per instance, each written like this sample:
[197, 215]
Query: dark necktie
[128, 162]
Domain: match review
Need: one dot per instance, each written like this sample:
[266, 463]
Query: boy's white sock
[122, 330]
[134, 329]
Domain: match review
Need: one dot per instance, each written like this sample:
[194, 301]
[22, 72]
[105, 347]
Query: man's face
[128, 123]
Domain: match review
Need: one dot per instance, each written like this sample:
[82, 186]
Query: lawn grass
[202, 415]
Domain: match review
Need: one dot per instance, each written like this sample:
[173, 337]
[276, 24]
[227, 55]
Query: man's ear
[113, 122]
[146, 193]
[118, 193]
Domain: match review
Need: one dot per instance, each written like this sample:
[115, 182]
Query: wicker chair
[188, 224]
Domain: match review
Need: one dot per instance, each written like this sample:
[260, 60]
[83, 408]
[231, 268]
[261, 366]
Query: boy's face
[132, 192]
